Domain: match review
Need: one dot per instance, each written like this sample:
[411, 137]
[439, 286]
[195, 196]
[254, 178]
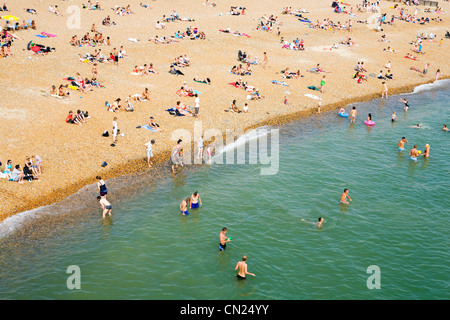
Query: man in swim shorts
[106, 206]
[344, 196]
[223, 240]
[242, 266]
[401, 144]
[414, 153]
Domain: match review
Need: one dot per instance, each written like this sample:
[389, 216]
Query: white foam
[431, 86]
[242, 140]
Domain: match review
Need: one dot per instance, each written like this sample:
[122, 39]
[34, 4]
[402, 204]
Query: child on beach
[106, 206]
[149, 145]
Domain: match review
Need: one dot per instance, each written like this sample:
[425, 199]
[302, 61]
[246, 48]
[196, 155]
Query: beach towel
[149, 128]
[280, 82]
[313, 88]
[233, 84]
[41, 36]
[305, 20]
[312, 96]
[200, 81]
[48, 34]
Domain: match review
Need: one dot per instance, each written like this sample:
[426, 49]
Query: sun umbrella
[9, 17]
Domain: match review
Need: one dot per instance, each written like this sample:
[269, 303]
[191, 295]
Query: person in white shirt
[197, 105]
[149, 145]
[200, 147]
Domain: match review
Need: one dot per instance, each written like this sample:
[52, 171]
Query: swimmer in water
[414, 153]
[344, 197]
[369, 117]
[417, 125]
[406, 104]
[184, 205]
[353, 115]
[394, 117]
[401, 144]
[106, 206]
[223, 240]
[319, 224]
[242, 266]
[444, 127]
[342, 111]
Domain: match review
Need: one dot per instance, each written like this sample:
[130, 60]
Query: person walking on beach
[106, 206]
[184, 206]
[223, 240]
[101, 187]
[401, 144]
[413, 153]
[195, 200]
[114, 130]
[149, 145]
[436, 77]
[353, 113]
[265, 61]
[344, 197]
[200, 147]
[385, 90]
[176, 156]
[322, 84]
[242, 266]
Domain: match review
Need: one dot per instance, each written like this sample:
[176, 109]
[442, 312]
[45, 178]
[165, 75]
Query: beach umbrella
[9, 17]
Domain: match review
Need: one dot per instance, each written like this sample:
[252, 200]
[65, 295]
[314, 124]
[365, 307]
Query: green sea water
[398, 221]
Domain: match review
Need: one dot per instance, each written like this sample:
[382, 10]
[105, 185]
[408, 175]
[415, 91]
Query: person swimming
[444, 128]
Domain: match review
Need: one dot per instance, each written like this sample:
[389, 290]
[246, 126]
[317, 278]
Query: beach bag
[105, 134]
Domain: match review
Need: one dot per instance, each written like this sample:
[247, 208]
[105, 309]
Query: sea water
[397, 223]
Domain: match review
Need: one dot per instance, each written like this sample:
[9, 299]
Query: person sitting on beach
[160, 25]
[380, 75]
[17, 174]
[150, 69]
[255, 95]
[175, 71]
[152, 124]
[388, 49]
[234, 108]
[146, 94]
[70, 118]
[182, 109]
[389, 75]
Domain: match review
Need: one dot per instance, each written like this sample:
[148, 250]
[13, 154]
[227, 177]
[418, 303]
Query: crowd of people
[16, 173]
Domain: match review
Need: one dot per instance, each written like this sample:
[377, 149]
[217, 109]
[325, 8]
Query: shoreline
[139, 166]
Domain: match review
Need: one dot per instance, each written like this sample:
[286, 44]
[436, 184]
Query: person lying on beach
[107, 22]
[290, 75]
[183, 109]
[175, 71]
[388, 49]
[202, 80]
[410, 56]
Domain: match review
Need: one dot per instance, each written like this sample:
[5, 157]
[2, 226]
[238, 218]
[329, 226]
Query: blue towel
[149, 128]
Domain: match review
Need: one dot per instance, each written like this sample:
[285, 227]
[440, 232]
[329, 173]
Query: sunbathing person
[146, 94]
[152, 124]
[182, 109]
[234, 108]
[206, 80]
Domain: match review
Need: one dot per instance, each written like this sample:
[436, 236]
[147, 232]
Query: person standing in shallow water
[353, 113]
[223, 240]
[344, 197]
[242, 266]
